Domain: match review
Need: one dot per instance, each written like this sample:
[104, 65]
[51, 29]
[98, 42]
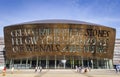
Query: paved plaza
[61, 73]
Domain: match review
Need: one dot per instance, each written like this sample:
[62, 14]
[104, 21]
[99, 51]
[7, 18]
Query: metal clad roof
[53, 21]
[62, 21]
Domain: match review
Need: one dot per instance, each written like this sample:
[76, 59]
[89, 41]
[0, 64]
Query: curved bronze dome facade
[62, 39]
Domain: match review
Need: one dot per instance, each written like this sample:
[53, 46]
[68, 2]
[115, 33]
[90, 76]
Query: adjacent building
[2, 57]
[59, 44]
[116, 58]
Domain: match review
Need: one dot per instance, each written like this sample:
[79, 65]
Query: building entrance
[59, 63]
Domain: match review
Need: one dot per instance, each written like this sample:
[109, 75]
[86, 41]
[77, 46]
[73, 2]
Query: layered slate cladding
[2, 58]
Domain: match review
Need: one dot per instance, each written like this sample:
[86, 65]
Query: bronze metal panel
[60, 39]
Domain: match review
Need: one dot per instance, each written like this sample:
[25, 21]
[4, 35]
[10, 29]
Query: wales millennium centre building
[59, 44]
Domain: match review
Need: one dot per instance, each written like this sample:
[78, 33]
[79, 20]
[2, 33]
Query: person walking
[36, 69]
[4, 71]
[117, 68]
[40, 69]
[12, 70]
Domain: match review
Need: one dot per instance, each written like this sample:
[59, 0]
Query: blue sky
[104, 12]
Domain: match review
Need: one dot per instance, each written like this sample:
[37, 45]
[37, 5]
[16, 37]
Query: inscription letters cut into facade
[43, 40]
